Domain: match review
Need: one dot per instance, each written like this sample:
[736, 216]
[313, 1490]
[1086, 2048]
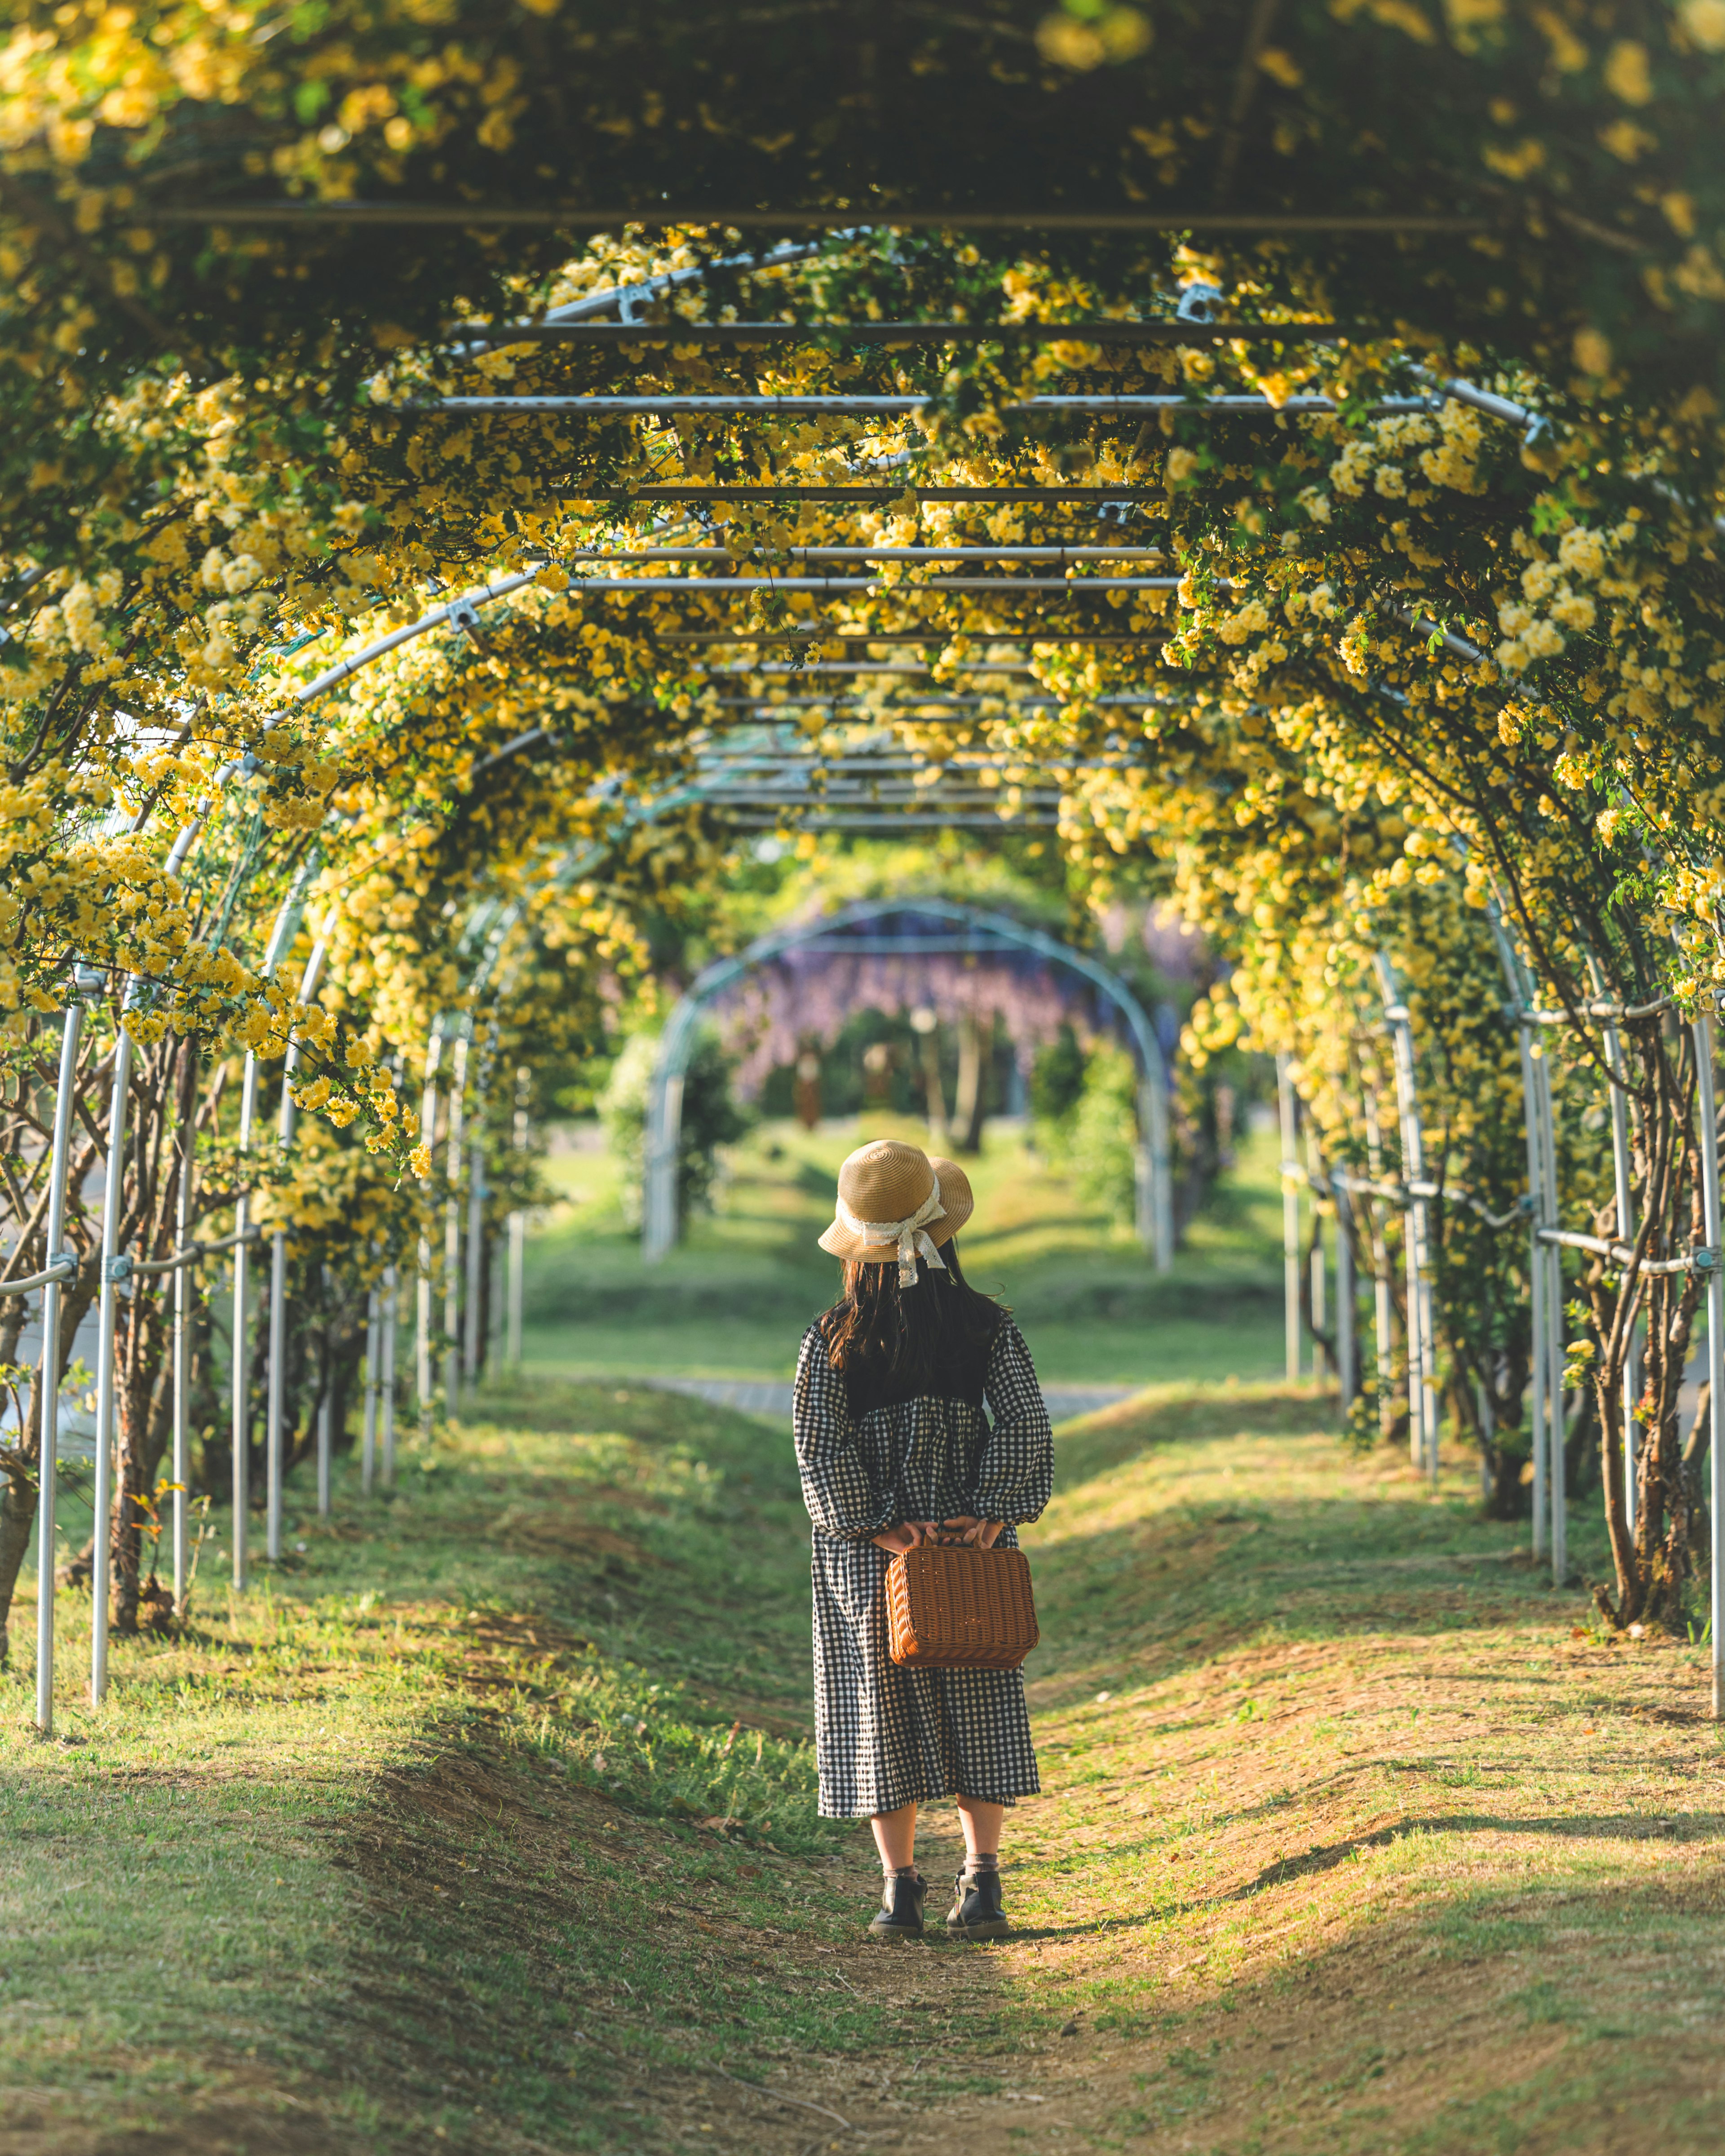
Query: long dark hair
[902, 1336]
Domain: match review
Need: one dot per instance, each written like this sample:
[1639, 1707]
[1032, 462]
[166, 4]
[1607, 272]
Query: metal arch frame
[664, 1105]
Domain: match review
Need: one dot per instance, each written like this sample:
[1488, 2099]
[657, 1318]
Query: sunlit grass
[734, 1298]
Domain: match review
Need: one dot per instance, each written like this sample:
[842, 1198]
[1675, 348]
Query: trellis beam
[493, 336]
[769, 407]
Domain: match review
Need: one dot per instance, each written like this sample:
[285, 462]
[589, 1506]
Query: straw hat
[889, 1200]
[956, 1200]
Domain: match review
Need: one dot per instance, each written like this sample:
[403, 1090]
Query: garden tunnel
[902, 936]
[1109, 487]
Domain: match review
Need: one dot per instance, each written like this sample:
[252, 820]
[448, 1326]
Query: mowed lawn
[490, 1824]
[734, 1298]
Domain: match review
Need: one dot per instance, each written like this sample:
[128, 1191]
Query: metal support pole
[324, 1436]
[1346, 1364]
[280, 936]
[422, 1304]
[1422, 1339]
[274, 1439]
[452, 1232]
[102, 1502]
[182, 1377]
[276, 1402]
[374, 1343]
[1538, 1261]
[1625, 1234]
[1556, 1432]
[1707, 1116]
[1155, 1181]
[1290, 1220]
[422, 1338]
[517, 1229]
[517, 1281]
[475, 1260]
[391, 1300]
[1318, 1271]
[241, 1374]
[1382, 1304]
[1541, 1377]
[48, 1382]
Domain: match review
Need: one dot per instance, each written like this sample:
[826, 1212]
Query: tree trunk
[970, 1095]
[932, 1084]
[18, 1516]
[145, 1408]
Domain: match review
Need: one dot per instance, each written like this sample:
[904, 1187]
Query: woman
[893, 1445]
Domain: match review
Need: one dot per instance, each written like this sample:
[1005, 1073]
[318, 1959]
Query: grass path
[489, 1825]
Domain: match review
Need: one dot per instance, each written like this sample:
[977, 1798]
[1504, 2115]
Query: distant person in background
[893, 1445]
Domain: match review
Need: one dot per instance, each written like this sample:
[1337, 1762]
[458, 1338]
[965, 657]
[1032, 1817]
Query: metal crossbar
[651, 587]
[1704, 1258]
[799, 407]
[493, 336]
[64, 1268]
[658, 217]
[673, 490]
[964, 551]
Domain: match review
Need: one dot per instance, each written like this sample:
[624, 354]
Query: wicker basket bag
[950, 1607]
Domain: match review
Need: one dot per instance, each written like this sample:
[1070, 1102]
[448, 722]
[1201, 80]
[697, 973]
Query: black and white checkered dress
[886, 1736]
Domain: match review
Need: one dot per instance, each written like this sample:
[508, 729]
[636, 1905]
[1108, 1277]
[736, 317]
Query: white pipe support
[475, 1259]
[453, 1156]
[517, 1280]
[280, 936]
[1623, 1187]
[325, 1433]
[1707, 1116]
[1347, 1364]
[182, 1352]
[276, 1400]
[374, 1346]
[1422, 1355]
[422, 1342]
[391, 1299]
[1382, 1304]
[275, 1431]
[1555, 1358]
[1287, 1116]
[48, 1382]
[423, 1299]
[439, 617]
[102, 1500]
[1539, 1259]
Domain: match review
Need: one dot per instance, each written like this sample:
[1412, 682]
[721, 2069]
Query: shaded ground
[733, 1300]
[491, 1827]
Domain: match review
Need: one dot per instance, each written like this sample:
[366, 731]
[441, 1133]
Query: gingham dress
[886, 1736]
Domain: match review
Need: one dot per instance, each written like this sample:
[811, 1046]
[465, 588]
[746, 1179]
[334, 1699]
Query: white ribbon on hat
[911, 1236]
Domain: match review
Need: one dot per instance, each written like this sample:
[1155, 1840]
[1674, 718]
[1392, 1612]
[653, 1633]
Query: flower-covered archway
[896, 955]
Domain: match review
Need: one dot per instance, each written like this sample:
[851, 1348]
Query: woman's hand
[974, 1534]
[906, 1535]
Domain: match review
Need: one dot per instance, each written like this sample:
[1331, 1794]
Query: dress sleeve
[843, 1500]
[1015, 1473]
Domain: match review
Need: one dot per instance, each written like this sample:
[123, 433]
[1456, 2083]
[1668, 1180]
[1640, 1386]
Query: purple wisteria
[805, 994]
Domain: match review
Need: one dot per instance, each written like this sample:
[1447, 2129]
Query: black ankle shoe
[899, 1915]
[976, 1913]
